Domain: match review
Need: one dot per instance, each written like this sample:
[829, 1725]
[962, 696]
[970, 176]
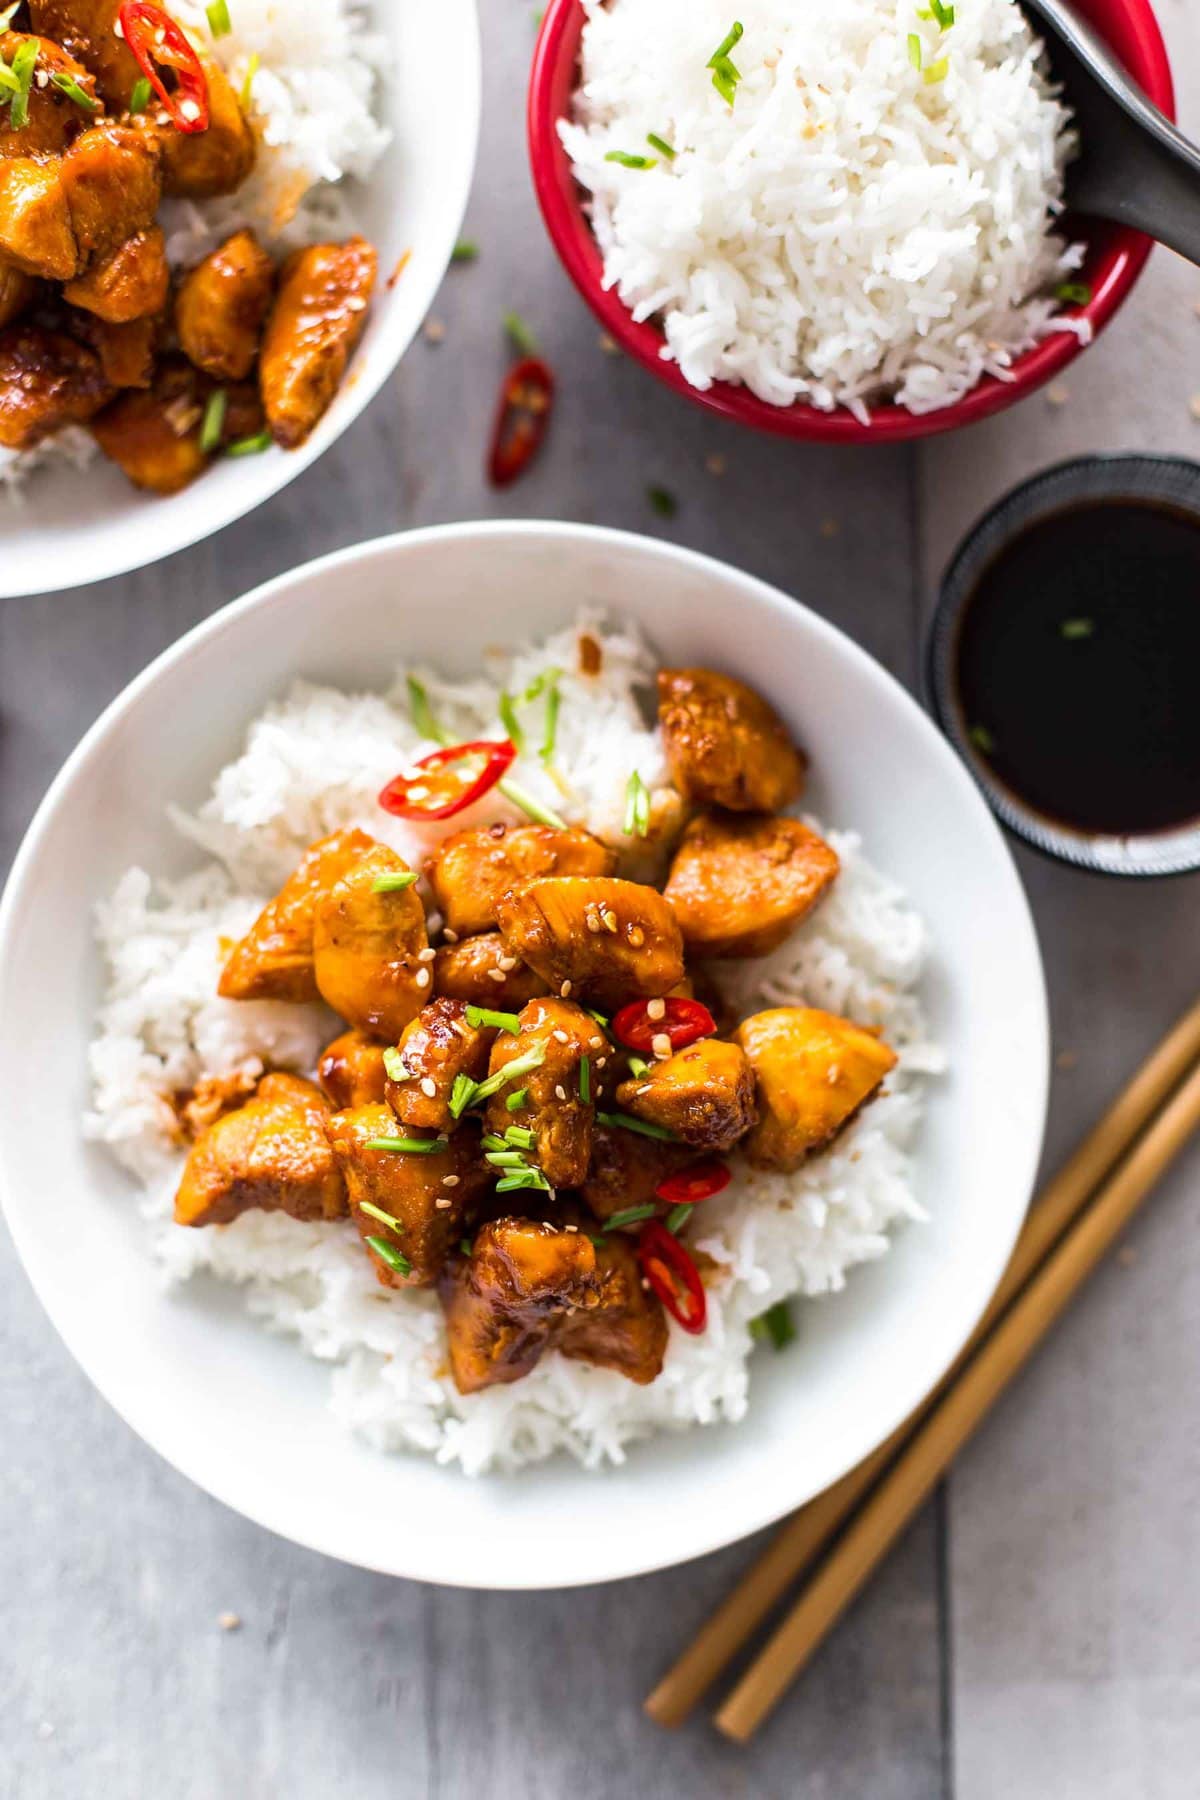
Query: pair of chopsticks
[1070, 1228]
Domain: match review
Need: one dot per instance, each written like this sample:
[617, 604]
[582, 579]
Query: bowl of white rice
[367, 115]
[845, 223]
[262, 1359]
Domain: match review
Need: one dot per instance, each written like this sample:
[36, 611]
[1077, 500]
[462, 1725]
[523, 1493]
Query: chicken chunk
[274, 961]
[16, 292]
[554, 1107]
[212, 1097]
[127, 352]
[471, 870]
[153, 435]
[506, 1301]
[814, 1072]
[426, 1198]
[112, 181]
[703, 1095]
[36, 235]
[318, 318]
[626, 1169]
[54, 120]
[222, 306]
[87, 29]
[131, 282]
[351, 1071]
[368, 947]
[47, 380]
[626, 1329]
[271, 1154]
[436, 1048]
[482, 969]
[726, 746]
[611, 941]
[740, 885]
[203, 165]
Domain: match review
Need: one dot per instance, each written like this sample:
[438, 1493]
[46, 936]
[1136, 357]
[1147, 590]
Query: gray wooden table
[1037, 1633]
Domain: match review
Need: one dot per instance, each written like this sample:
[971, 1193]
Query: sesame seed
[443, 1203]
[637, 936]
[1057, 394]
[607, 344]
[591, 919]
[418, 793]
[229, 1621]
[506, 963]
[495, 974]
[600, 1061]
[164, 118]
[424, 956]
[451, 1180]
[451, 937]
[660, 1043]
[423, 978]
[429, 1087]
[562, 1037]
[570, 1228]
[656, 1009]
[565, 990]
[596, 1043]
[610, 920]
[560, 1092]
[42, 79]
[435, 331]
[189, 110]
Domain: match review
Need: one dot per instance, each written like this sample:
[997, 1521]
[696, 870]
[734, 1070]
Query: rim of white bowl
[689, 1541]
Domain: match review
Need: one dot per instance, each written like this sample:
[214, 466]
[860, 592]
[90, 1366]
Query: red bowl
[1115, 259]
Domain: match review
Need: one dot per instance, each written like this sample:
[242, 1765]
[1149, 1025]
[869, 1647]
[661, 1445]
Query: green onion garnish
[520, 1065]
[914, 49]
[1074, 293]
[550, 736]
[466, 250]
[219, 21]
[520, 1137]
[1077, 628]
[8, 81]
[522, 337]
[637, 807]
[394, 884]
[726, 45]
[385, 1218]
[629, 159]
[523, 1178]
[585, 1080]
[638, 1066]
[677, 1217]
[627, 1122]
[139, 99]
[461, 1095]
[491, 1141]
[516, 1101]
[464, 1245]
[250, 446]
[394, 1066]
[774, 1326]
[483, 1015]
[390, 1255]
[937, 10]
[539, 684]
[510, 722]
[726, 74]
[937, 71]
[422, 713]
[541, 815]
[982, 739]
[406, 1146]
[252, 68]
[631, 1216]
[662, 501]
[427, 725]
[67, 84]
[9, 14]
[661, 145]
[599, 1017]
[214, 421]
[506, 1159]
[24, 63]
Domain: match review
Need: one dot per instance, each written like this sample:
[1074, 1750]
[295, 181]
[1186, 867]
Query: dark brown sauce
[1079, 667]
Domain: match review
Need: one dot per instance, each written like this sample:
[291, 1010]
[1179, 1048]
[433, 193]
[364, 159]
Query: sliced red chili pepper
[683, 1022]
[673, 1276]
[428, 791]
[158, 43]
[522, 418]
[689, 1186]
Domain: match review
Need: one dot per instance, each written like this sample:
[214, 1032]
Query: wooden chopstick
[965, 1404]
[808, 1531]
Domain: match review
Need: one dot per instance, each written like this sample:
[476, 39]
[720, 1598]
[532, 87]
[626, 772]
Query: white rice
[848, 230]
[314, 762]
[313, 101]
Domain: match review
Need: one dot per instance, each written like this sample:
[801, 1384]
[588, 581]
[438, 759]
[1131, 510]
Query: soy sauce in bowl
[1066, 662]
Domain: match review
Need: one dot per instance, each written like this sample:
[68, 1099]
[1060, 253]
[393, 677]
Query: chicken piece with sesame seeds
[554, 1106]
[222, 306]
[703, 1095]
[54, 120]
[274, 961]
[368, 946]
[271, 1155]
[472, 870]
[626, 1329]
[425, 1197]
[436, 1047]
[506, 1302]
[613, 941]
[318, 317]
[726, 746]
[626, 1169]
[740, 885]
[351, 1071]
[814, 1073]
[484, 970]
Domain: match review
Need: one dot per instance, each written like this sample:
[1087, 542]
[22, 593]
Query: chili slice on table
[681, 1022]
[158, 43]
[526, 400]
[673, 1276]
[431, 789]
[689, 1186]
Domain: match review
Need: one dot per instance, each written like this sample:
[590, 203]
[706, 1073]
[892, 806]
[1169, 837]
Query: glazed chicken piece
[611, 941]
[274, 961]
[47, 380]
[505, 1303]
[131, 282]
[626, 1169]
[318, 318]
[725, 745]
[112, 182]
[438, 1046]
[483, 970]
[16, 292]
[222, 306]
[472, 870]
[351, 1071]
[740, 885]
[271, 1154]
[203, 165]
[814, 1072]
[36, 235]
[127, 352]
[55, 120]
[86, 29]
[554, 1109]
[426, 1197]
[703, 1095]
[153, 435]
[626, 1329]
[370, 952]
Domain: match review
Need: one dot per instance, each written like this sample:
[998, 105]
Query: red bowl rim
[1112, 276]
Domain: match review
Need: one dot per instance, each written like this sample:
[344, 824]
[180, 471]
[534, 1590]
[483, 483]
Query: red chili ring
[673, 1276]
[156, 41]
[395, 796]
[683, 1022]
[689, 1186]
[522, 419]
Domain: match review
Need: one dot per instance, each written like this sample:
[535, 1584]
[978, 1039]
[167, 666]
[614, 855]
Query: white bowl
[75, 526]
[245, 1414]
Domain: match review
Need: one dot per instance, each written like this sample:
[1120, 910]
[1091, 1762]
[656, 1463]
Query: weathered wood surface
[1036, 1633]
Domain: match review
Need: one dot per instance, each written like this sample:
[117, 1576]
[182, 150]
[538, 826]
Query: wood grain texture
[1064, 1656]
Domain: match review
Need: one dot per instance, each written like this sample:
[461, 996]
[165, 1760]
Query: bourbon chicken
[169, 372]
[526, 1114]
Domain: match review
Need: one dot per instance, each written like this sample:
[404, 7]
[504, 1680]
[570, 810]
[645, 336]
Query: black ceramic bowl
[1166, 484]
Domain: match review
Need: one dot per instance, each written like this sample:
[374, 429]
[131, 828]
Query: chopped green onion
[637, 807]
[676, 1218]
[638, 1066]
[1077, 628]
[219, 21]
[491, 1141]
[461, 1095]
[1074, 293]
[523, 1178]
[774, 1326]
[585, 1080]
[9, 14]
[67, 84]
[661, 145]
[394, 1065]
[140, 97]
[914, 49]
[390, 1255]
[252, 68]
[936, 71]
[727, 43]
[629, 159]
[662, 501]
[506, 1159]
[725, 74]
[599, 1017]
[539, 684]
[632, 1215]
[627, 1122]
[466, 250]
[483, 1015]
[516, 1101]
[982, 739]
[251, 446]
[8, 81]
[24, 63]
[522, 337]
[422, 713]
[214, 421]
[406, 1146]
[464, 1245]
[541, 815]
[510, 722]
[550, 737]
[937, 10]
[520, 1065]
[394, 884]
[520, 1137]
[385, 1218]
